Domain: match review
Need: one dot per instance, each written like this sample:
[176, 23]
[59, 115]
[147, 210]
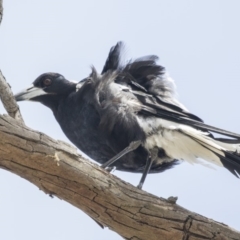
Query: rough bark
[57, 169]
[7, 96]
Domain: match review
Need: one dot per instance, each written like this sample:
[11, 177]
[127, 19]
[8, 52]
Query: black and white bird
[128, 117]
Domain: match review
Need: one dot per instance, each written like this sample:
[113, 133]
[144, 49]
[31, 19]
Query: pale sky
[198, 43]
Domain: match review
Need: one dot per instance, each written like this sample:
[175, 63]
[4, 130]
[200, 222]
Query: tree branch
[6, 94]
[7, 98]
[1, 11]
[57, 169]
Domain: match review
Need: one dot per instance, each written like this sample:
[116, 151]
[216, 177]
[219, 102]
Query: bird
[128, 117]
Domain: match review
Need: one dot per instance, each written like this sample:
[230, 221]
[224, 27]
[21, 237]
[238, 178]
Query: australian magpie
[128, 117]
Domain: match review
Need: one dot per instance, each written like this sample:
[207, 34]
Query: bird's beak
[29, 93]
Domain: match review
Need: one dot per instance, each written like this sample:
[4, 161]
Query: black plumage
[128, 117]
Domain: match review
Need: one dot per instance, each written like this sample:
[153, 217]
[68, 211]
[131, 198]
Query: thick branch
[57, 169]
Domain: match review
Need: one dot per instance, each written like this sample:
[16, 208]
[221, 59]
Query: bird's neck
[53, 101]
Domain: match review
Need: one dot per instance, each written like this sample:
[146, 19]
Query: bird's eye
[47, 82]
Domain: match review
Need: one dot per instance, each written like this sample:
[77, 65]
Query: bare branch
[57, 169]
[5, 90]
[1, 11]
[8, 100]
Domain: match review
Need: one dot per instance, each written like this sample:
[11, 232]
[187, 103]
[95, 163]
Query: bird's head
[47, 89]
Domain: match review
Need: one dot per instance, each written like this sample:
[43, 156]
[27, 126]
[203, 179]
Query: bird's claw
[172, 200]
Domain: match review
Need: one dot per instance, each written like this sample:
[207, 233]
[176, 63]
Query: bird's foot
[172, 200]
[110, 169]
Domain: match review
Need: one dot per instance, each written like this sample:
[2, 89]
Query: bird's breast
[80, 124]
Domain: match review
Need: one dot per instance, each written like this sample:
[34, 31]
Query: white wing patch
[183, 142]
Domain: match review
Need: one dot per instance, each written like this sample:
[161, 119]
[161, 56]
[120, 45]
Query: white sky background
[198, 43]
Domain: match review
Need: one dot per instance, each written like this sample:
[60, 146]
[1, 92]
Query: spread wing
[155, 90]
[130, 96]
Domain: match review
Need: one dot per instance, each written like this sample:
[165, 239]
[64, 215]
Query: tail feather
[227, 150]
[231, 158]
[231, 161]
[228, 140]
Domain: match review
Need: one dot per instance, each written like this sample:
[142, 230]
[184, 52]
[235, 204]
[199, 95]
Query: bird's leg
[110, 169]
[132, 146]
[151, 158]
